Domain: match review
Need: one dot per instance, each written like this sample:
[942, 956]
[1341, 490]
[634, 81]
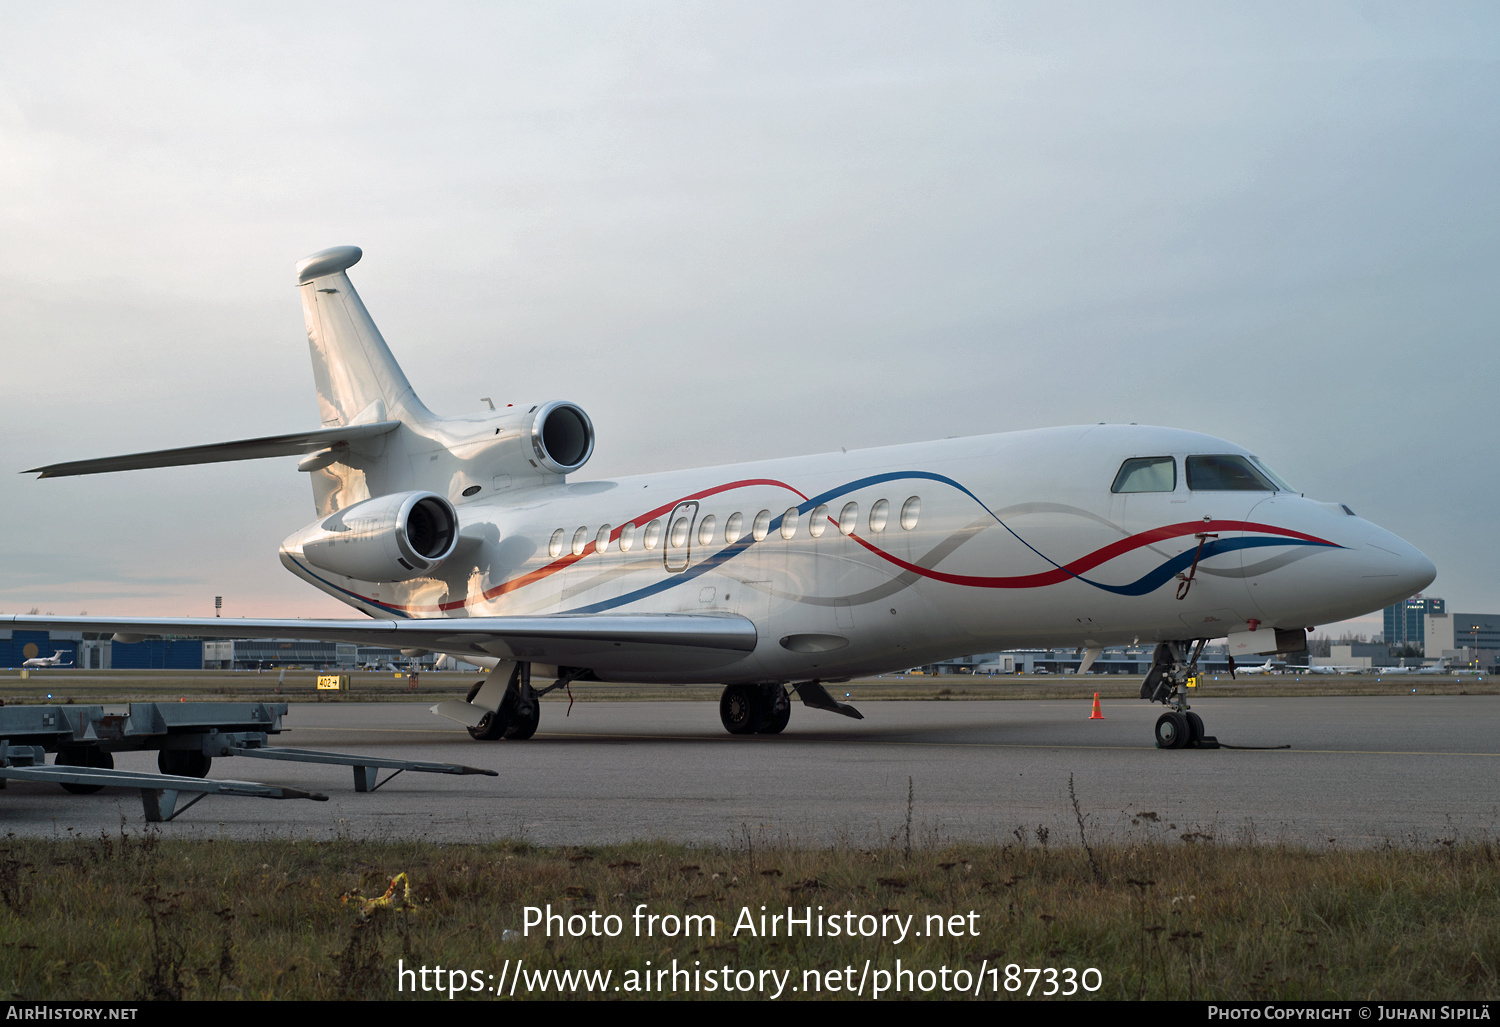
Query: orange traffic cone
[1098, 714]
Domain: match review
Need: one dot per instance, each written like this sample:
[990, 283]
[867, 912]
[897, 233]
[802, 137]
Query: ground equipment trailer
[186, 736]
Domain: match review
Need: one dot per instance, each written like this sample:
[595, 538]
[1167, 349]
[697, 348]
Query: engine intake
[387, 538]
[562, 437]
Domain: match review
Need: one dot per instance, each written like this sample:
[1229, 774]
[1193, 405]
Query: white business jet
[472, 536]
[55, 660]
[1269, 667]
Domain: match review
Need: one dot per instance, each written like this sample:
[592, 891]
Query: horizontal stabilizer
[295, 444]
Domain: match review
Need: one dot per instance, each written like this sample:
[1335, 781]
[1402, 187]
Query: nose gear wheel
[1173, 664]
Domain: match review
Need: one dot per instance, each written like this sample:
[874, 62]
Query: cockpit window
[1146, 474]
[1276, 479]
[1228, 473]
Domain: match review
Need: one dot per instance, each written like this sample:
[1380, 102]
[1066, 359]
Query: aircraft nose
[1409, 566]
[1420, 571]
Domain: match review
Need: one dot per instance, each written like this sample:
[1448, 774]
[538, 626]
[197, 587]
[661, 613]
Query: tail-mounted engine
[562, 437]
[387, 538]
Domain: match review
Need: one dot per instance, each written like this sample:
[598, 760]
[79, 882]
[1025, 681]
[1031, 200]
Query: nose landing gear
[1172, 666]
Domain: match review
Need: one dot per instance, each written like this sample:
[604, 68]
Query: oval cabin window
[706, 530]
[789, 523]
[762, 526]
[849, 518]
[880, 513]
[817, 523]
[734, 526]
[653, 534]
[554, 546]
[910, 511]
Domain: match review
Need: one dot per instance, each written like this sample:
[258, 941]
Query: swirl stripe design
[1265, 535]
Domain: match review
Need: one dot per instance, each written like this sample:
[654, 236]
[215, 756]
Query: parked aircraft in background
[55, 660]
[1269, 667]
[472, 536]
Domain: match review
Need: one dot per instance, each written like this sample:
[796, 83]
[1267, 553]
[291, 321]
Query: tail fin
[357, 378]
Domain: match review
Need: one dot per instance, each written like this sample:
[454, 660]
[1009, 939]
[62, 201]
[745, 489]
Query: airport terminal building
[93, 651]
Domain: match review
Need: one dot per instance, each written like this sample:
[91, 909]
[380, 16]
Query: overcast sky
[741, 231]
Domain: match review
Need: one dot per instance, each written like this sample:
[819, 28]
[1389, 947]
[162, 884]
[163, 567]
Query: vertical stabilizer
[357, 378]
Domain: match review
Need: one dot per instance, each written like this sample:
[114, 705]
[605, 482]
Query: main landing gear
[767, 709]
[504, 705]
[1172, 665]
[519, 712]
[755, 709]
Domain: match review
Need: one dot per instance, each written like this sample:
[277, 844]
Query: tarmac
[1358, 772]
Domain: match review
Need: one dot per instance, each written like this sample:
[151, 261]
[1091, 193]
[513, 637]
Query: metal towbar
[366, 768]
[159, 792]
[86, 737]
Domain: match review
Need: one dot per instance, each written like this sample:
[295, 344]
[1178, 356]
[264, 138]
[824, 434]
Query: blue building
[1406, 623]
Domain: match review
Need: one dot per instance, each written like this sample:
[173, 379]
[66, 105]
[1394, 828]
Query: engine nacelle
[387, 538]
[562, 437]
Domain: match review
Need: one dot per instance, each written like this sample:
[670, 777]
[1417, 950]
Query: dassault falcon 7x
[469, 536]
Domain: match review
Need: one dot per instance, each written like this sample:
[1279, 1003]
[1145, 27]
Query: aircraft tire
[741, 709]
[83, 757]
[521, 728]
[1195, 729]
[495, 723]
[780, 712]
[1172, 730]
[183, 763]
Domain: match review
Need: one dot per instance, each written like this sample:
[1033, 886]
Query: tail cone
[1098, 714]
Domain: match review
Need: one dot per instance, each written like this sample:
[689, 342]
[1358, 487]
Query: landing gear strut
[1172, 665]
[519, 712]
[755, 709]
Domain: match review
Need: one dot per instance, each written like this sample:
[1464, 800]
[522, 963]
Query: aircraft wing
[244, 449]
[633, 644]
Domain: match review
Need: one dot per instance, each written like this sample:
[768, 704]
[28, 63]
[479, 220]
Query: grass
[300, 686]
[136, 916]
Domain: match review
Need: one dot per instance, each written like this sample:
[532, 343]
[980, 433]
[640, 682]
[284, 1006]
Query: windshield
[1279, 481]
[1227, 473]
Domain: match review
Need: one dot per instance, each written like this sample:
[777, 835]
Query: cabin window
[734, 526]
[1228, 473]
[580, 539]
[706, 530]
[601, 540]
[1146, 474]
[679, 535]
[880, 513]
[762, 526]
[627, 537]
[554, 547]
[849, 518]
[818, 522]
[789, 523]
[653, 534]
[910, 511]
